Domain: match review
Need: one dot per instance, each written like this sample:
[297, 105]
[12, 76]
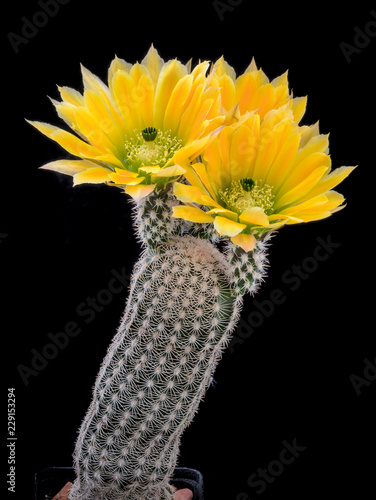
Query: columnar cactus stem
[180, 313]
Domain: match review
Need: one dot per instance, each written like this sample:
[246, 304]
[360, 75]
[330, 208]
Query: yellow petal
[331, 180]
[243, 152]
[172, 171]
[306, 205]
[210, 202]
[224, 213]
[95, 175]
[111, 160]
[70, 167]
[299, 105]
[201, 171]
[192, 214]
[170, 74]
[295, 194]
[245, 241]
[191, 111]
[145, 93]
[191, 151]
[150, 170]
[154, 63]
[124, 179]
[140, 191]
[71, 96]
[254, 215]
[226, 227]
[186, 193]
[125, 95]
[116, 65]
[68, 141]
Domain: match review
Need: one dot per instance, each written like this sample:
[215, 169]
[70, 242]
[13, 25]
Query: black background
[291, 378]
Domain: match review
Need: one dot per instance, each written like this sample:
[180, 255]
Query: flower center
[150, 148]
[247, 193]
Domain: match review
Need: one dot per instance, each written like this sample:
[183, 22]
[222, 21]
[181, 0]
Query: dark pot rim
[49, 481]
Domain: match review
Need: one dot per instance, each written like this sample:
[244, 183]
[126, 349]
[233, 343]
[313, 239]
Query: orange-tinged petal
[192, 214]
[191, 112]
[226, 227]
[303, 187]
[228, 91]
[170, 74]
[176, 104]
[302, 169]
[246, 87]
[284, 161]
[262, 101]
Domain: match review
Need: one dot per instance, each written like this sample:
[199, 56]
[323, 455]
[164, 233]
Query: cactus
[183, 304]
[249, 169]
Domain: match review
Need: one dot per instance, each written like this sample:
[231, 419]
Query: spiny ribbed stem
[184, 302]
[178, 321]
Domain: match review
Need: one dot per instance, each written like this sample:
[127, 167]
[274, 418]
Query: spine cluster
[179, 316]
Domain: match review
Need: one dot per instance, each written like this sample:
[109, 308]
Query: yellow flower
[138, 131]
[252, 91]
[258, 175]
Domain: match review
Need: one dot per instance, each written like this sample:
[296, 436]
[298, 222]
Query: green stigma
[247, 184]
[247, 193]
[149, 133]
[150, 148]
